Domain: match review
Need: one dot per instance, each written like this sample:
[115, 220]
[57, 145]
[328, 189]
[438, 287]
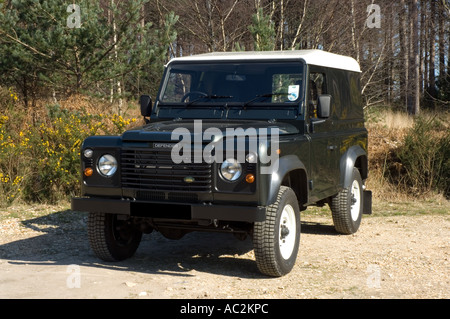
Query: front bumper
[170, 210]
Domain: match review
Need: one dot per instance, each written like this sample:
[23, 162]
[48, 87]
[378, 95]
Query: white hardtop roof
[313, 57]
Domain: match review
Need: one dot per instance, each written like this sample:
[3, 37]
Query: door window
[317, 86]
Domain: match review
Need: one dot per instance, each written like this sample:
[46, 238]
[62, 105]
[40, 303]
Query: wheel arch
[355, 156]
[292, 173]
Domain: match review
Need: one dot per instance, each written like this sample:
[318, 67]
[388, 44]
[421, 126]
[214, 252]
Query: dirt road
[390, 257]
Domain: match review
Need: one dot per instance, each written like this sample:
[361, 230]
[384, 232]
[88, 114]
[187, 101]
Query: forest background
[70, 69]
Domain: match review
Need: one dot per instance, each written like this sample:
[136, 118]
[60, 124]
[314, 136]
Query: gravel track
[389, 257]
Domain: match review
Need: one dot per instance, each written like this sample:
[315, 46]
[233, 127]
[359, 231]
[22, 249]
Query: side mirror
[324, 106]
[146, 105]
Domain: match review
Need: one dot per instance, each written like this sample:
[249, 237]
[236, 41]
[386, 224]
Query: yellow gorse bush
[5, 139]
[11, 176]
[41, 161]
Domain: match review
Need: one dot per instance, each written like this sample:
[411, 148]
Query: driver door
[324, 151]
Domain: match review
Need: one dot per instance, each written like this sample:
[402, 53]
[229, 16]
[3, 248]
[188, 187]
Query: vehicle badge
[189, 179]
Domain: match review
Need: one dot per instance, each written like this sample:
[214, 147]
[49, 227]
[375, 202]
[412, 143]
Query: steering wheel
[193, 93]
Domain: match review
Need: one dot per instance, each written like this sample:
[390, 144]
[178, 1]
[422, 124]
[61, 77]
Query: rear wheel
[112, 239]
[347, 206]
[276, 240]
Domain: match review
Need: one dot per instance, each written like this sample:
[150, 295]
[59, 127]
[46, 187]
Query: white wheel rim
[287, 232]
[356, 201]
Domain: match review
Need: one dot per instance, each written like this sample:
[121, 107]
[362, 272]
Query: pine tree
[49, 46]
[262, 30]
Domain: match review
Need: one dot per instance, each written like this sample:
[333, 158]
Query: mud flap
[367, 202]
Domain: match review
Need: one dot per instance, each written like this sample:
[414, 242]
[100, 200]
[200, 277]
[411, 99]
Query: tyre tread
[340, 205]
[97, 236]
[264, 241]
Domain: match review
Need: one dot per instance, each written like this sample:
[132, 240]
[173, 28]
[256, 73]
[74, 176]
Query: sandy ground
[389, 257]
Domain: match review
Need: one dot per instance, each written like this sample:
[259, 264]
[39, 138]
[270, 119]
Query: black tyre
[276, 240]
[347, 206]
[112, 239]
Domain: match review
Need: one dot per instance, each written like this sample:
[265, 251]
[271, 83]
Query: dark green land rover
[234, 142]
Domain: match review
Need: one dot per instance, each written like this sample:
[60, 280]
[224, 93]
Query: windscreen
[243, 83]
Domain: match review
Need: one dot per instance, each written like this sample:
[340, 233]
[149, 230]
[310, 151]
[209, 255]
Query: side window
[317, 86]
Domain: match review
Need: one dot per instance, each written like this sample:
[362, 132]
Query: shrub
[13, 146]
[40, 152]
[57, 150]
[424, 158]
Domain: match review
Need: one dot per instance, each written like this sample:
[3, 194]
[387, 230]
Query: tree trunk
[423, 13]
[116, 49]
[414, 100]
[432, 37]
[441, 21]
[211, 33]
[404, 52]
[388, 78]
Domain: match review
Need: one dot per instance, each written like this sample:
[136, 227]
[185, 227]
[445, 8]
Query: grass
[380, 208]
[411, 208]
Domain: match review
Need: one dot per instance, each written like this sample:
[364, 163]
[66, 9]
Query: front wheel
[276, 240]
[347, 206]
[112, 239]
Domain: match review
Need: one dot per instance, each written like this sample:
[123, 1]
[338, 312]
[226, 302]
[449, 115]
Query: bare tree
[400, 61]
[413, 105]
[432, 41]
[443, 8]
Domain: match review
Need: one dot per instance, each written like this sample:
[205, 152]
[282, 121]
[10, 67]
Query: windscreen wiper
[267, 95]
[209, 97]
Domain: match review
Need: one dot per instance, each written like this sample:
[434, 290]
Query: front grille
[154, 170]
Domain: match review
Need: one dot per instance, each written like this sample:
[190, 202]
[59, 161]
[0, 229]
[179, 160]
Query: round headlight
[230, 170]
[107, 165]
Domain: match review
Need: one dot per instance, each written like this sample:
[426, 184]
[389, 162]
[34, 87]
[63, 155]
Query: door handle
[332, 147]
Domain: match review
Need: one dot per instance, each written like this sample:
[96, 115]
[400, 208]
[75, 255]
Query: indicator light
[88, 172]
